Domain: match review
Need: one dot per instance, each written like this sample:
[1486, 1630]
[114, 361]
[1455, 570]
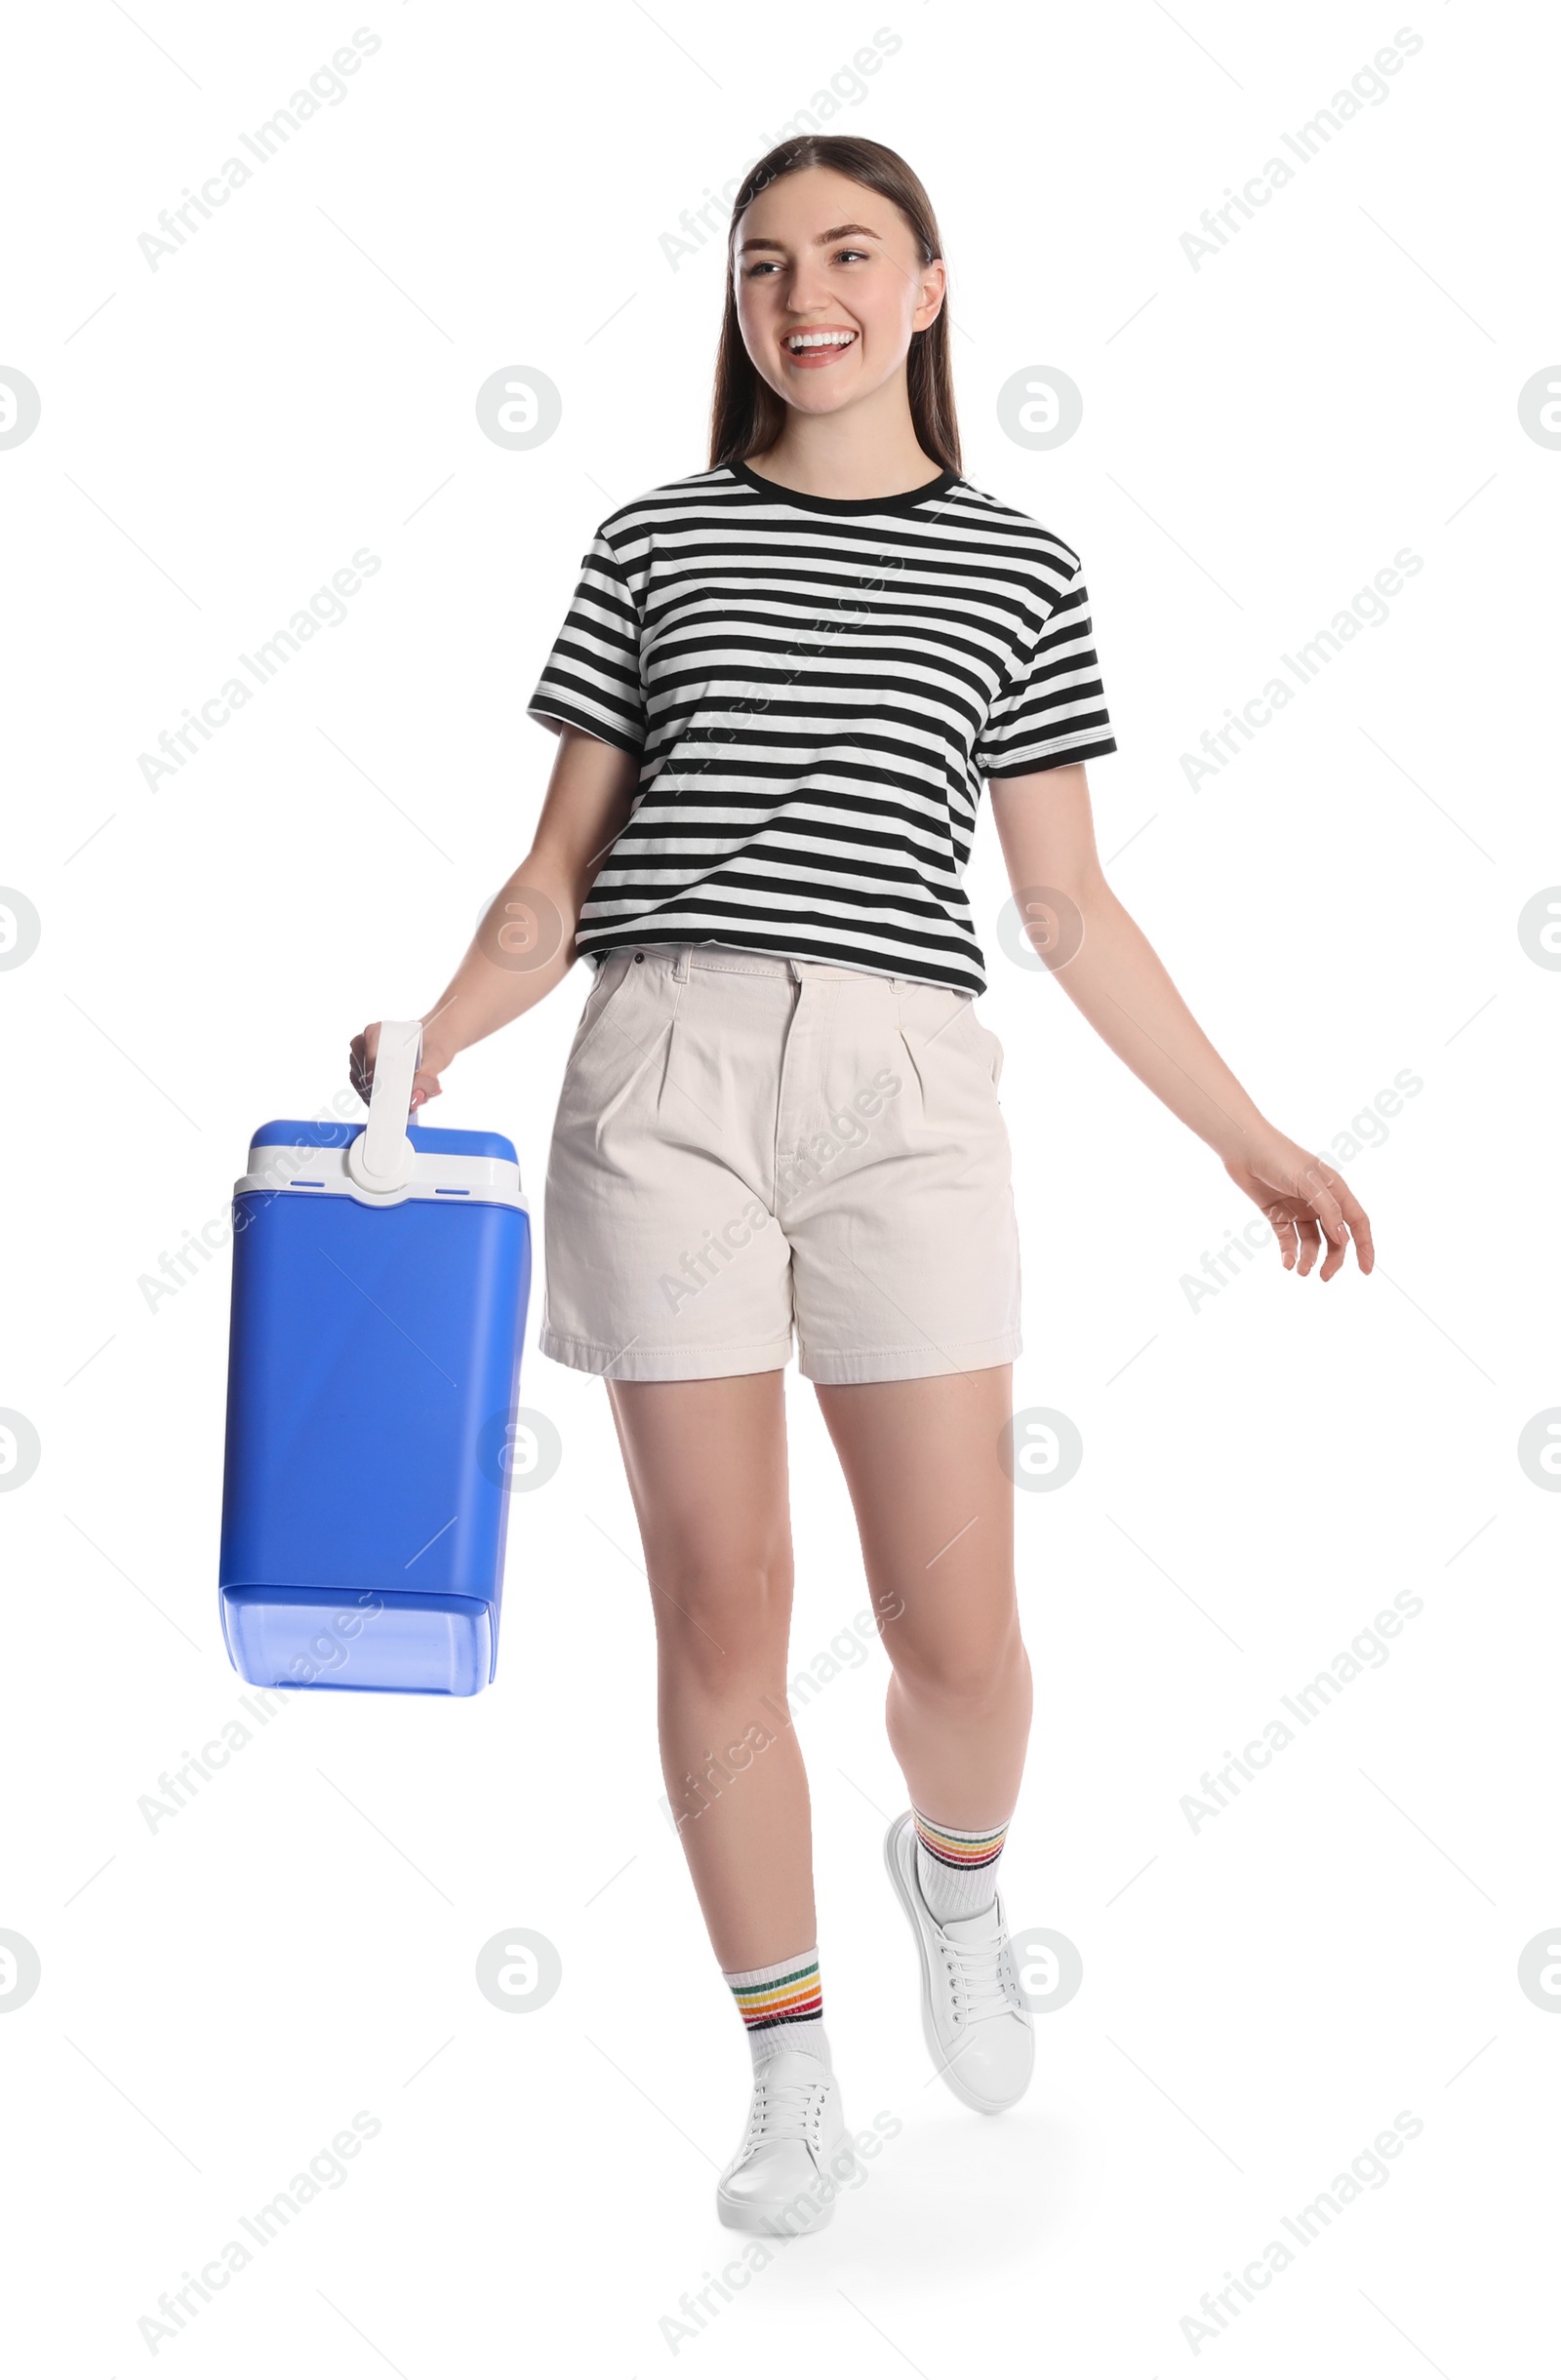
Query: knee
[968, 1672]
[716, 1620]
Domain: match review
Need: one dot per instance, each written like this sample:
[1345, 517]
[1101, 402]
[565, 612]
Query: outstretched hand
[1306, 1203]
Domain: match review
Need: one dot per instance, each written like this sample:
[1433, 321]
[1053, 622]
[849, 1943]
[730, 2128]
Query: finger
[1310, 1239]
[1319, 1186]
[1357, 1220]
[1283, 1228]
[1343, 1219]
[1337, 1234]
[365, 1046]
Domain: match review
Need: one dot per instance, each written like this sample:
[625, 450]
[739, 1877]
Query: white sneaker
[981, 2035]
[795, 2155]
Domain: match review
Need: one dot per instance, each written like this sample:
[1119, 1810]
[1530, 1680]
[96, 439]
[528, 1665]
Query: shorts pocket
[619, 1037]
[993, 1048]
[983, 1044]
[599, 999]
[953, 1057]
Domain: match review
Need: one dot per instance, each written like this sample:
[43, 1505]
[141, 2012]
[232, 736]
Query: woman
[776, 691]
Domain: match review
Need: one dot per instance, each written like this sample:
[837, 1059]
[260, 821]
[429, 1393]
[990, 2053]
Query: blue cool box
[373, 1368]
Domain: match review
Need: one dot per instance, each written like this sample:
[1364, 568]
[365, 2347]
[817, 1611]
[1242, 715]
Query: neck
[840, 456]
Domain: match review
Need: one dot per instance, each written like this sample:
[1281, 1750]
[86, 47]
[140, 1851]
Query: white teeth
[819, 339]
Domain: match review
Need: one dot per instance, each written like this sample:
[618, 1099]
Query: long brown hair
[746, 413]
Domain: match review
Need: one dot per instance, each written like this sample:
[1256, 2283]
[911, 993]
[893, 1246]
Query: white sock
[956, 1867]
[782, 2007]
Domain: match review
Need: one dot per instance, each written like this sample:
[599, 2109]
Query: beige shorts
[746, 1143]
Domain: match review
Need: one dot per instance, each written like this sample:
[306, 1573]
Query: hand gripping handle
[381, 1156]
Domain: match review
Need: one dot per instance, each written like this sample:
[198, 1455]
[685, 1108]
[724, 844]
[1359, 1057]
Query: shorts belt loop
[680, 964]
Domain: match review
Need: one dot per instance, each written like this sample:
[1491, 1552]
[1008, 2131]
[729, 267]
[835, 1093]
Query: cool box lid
[290, 1155]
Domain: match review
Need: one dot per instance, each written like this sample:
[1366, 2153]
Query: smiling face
[829, 289]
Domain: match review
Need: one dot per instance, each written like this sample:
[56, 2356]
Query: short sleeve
[592, 679]
[1053, 710]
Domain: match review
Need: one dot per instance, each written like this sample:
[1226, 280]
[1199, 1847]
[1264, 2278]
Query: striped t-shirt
[816, 686]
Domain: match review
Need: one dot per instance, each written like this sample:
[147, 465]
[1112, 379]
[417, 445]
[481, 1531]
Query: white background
[1260, 435]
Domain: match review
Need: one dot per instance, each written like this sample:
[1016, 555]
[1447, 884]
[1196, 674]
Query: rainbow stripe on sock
[788, 1997]
[956, 1847]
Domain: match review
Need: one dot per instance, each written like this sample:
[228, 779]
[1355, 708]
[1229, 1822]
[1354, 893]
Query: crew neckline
[902, 502]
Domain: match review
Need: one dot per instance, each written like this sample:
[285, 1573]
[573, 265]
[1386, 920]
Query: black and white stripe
[816, 688]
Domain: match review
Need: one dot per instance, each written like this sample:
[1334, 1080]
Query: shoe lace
[978, 1973]
[785, 2111]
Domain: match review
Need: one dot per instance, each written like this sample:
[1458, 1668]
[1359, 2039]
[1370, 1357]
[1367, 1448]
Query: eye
[767, 264]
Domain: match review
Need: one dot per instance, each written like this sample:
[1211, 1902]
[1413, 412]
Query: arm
[1113, 976]
[525, 943]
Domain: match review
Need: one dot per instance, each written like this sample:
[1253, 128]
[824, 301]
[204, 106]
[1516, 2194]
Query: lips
[828, 344]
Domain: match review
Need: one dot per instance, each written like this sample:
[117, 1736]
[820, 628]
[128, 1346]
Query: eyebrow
[822, 240]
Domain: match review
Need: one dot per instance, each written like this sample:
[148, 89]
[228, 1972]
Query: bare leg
[935, 1513]
[706, 1464]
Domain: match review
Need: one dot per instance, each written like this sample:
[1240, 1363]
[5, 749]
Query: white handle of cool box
[381, 1156]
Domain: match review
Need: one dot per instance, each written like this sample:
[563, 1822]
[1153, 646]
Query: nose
[808, 299]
